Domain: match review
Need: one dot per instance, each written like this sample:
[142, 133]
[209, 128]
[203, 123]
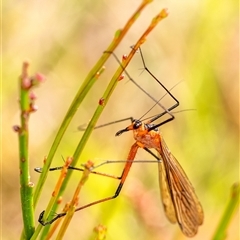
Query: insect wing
[165, 194]
[188, 209]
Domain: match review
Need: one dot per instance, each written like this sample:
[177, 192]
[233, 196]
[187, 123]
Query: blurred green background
[197, 44]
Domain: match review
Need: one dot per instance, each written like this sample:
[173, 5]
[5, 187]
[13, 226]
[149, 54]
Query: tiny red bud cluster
[33, 107]
[121, 77]
[40, 77]
[59, 200]
[124, 57]
[101, 101]
[26, 83]
[32, 95]
[16, 128]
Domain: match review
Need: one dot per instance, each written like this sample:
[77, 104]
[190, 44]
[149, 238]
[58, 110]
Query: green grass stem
[26, 186]
[221, 231]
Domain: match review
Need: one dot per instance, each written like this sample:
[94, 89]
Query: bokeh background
[196, 46]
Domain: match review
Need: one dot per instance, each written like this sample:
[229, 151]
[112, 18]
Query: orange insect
[178, 196]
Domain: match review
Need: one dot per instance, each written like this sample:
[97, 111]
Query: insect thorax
[149, 139]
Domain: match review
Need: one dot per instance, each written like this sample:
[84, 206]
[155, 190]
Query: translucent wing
[178, 194]
[165, 194]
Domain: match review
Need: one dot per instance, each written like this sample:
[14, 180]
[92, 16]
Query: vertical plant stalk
[87, 170]
[163, 14]
[55, 192]
[221, 232]
[26, 186]
[56, 223]
[84, 89]
[62, 176]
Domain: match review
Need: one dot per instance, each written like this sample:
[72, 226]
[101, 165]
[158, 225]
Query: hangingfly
[178, 196]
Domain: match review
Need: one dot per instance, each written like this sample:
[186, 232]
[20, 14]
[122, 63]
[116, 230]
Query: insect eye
[150, 127]
[137, 124]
